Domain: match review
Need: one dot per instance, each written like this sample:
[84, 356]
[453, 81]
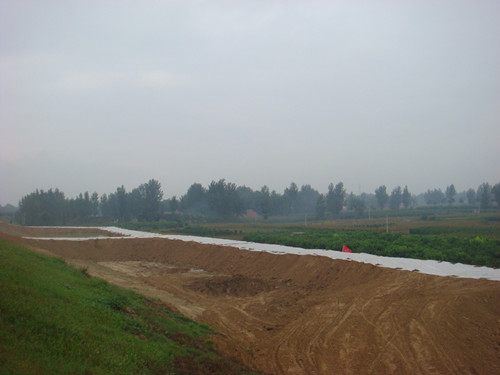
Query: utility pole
[386, 224]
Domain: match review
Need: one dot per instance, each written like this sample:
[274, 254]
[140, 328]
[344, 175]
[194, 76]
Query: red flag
[345, 249]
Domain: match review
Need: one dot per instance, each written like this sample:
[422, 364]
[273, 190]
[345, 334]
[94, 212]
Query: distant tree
[121, 202]
[195, 200]
[265, 202]
[106, 209]
[484, 195]
[277, 203]
[94, 199]
[74, 209]
[174, 204]
[471, 196]
[335, 198]
[496, 194]
[396, 198]
[250, 199]
[307, 199]
[43, 208]
[382, 196]
[370, 201]
[356, 204]
[406, 197]
[338, 197]
[86, 206]
[320, 208]
[290, 195]
[450, 194]
[153, 198]
[79, 209]
[136, 203]
[224, 199]
[434, 197]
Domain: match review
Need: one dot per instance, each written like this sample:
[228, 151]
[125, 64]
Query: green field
[55, 319]
[469, 250]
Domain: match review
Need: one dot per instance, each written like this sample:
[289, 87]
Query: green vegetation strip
[55, 319]
[476, 250]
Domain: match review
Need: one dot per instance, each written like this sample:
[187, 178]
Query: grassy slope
[56, 320]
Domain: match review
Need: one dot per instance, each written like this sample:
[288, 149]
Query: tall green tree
[382, 196]
[94, 199]
[136, 203]
[356, 204]
[471, 196]
[121, 204]
[434, 197]
[290, 195]
[224, 199]
[495, 190]
[406, 197]
[450, 194]
[249, 198]
[43, 208]
[335, 198]
[484, 195]
[174, 204]
[265, 202]
[307, 199]
[320, 208]
[153, 198]
[195, 200]
[396, 198]
[105, 207]
[277, 203]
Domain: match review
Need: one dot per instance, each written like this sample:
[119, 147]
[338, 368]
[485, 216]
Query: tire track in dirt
[388, 319]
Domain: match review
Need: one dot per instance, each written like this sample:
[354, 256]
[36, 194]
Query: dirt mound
[237, 286]
[289, 314]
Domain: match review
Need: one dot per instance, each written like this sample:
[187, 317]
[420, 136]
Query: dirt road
[289, 314]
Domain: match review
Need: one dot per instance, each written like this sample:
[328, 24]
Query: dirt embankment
[54, 231]
[289, 314]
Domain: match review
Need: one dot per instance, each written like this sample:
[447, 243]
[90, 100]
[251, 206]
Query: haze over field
[98, 94]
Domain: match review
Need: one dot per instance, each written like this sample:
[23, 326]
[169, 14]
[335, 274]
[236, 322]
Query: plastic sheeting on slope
[431, 267]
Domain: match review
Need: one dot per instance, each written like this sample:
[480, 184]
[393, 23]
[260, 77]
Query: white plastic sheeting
[431, 267]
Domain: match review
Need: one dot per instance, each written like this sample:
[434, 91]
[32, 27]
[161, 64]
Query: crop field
[461, 224]
[476, 250]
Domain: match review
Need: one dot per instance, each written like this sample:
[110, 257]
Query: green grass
[54, 319]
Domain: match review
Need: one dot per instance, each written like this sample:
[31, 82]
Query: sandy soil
[290, 314]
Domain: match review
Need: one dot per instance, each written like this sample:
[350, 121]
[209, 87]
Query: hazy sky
[96, 94]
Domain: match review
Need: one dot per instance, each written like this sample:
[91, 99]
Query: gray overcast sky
[96, 94]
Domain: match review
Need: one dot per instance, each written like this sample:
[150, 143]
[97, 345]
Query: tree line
[222, 199]
[53, 208]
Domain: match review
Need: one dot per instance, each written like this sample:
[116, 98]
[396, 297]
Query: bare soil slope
[289, 314]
